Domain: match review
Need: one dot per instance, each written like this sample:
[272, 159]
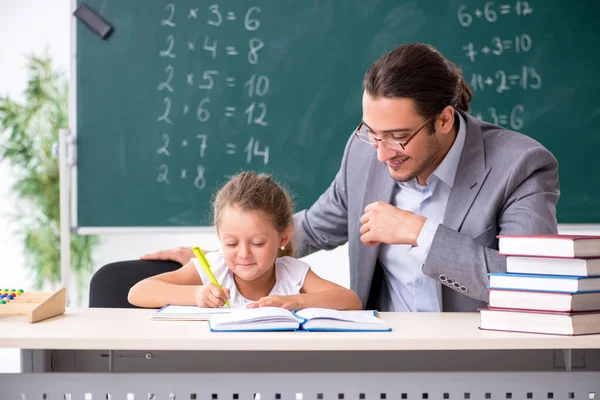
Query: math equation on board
[198, 51]
[523, 77]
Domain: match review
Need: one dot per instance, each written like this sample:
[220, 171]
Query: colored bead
[11, 297]
[20, 290]
[2, 301]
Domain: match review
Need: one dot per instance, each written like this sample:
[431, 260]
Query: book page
[350, 316]
[194, 310]
[250, 315]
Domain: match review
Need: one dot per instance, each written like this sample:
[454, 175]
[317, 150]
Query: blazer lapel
[470, 175]
[379, 187]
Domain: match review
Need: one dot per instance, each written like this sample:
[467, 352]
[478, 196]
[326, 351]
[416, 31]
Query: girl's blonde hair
[253, 192]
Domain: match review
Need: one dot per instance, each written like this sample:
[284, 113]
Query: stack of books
[552, 285]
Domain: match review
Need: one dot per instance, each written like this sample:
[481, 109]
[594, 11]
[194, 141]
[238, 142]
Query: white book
[544, 301]
[189, 313]
[553, 266]
[549, 245]
[309, 319]
[545, 283]
[540, 322]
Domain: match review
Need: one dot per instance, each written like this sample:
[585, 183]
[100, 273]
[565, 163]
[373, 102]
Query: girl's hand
[291, 302]
[210, 296]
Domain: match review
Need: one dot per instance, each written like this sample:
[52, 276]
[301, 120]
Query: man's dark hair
[421, 73]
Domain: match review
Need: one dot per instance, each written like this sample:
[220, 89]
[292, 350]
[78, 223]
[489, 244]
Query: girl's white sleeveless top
[289, 276]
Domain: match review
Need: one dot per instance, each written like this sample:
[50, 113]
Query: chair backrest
[111, 283]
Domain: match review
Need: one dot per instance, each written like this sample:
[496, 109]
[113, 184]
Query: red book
[568, 246]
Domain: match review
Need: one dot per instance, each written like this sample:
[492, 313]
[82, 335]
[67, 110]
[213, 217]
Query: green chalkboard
[186, 93]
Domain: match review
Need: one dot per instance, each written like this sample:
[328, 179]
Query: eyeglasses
[364, 135]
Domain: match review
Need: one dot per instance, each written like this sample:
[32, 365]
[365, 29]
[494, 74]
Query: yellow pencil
[206, 266]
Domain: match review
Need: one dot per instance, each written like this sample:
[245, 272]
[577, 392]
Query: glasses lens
[368, 137]
[364, 135]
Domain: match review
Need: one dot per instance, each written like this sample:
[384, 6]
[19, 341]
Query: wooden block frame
[37, 306]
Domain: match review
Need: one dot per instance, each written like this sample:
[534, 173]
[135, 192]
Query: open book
[309, 319]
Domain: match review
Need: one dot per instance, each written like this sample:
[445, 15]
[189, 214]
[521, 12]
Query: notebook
[309, 319]
[188, 313]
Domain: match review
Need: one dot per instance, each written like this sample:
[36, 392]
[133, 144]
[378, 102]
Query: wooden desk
[433, 353]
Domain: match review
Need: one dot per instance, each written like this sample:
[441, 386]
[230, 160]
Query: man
[422, 201]
[424, 189]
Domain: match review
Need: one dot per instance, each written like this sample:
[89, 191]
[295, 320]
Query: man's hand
[385, 223]
[182, 255]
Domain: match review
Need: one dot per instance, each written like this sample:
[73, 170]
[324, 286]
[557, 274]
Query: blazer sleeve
[324, 226]
[529, 207]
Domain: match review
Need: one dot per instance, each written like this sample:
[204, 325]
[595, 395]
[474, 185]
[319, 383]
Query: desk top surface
[132, 329]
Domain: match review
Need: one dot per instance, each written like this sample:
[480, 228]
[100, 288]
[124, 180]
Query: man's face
[396, 119]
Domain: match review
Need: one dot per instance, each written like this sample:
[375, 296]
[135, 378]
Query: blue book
[544, 283]
[266, 319]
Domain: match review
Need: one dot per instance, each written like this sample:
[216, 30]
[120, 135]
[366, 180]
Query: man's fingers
[371, 206]
[161, 255]
[364, 229]
[365, 218]
[367, 239]
[182, 255]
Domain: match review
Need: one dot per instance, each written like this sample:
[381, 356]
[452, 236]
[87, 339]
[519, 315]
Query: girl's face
[249, 242]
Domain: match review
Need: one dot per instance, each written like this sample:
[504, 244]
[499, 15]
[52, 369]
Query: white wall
[30, 26]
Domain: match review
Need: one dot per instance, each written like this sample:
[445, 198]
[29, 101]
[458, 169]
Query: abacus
[36, 305]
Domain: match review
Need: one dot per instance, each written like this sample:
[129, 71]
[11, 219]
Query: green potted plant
[28, 133]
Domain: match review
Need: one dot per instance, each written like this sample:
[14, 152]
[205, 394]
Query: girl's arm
[321, 293]
[316, 292]
[175, 287]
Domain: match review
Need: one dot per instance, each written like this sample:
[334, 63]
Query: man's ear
[446, 120]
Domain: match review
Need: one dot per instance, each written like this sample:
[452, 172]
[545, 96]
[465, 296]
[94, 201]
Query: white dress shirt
[405, 286]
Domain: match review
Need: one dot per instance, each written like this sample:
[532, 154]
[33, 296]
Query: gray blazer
[506, 183]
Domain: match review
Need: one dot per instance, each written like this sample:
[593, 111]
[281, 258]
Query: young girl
[254, 221]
